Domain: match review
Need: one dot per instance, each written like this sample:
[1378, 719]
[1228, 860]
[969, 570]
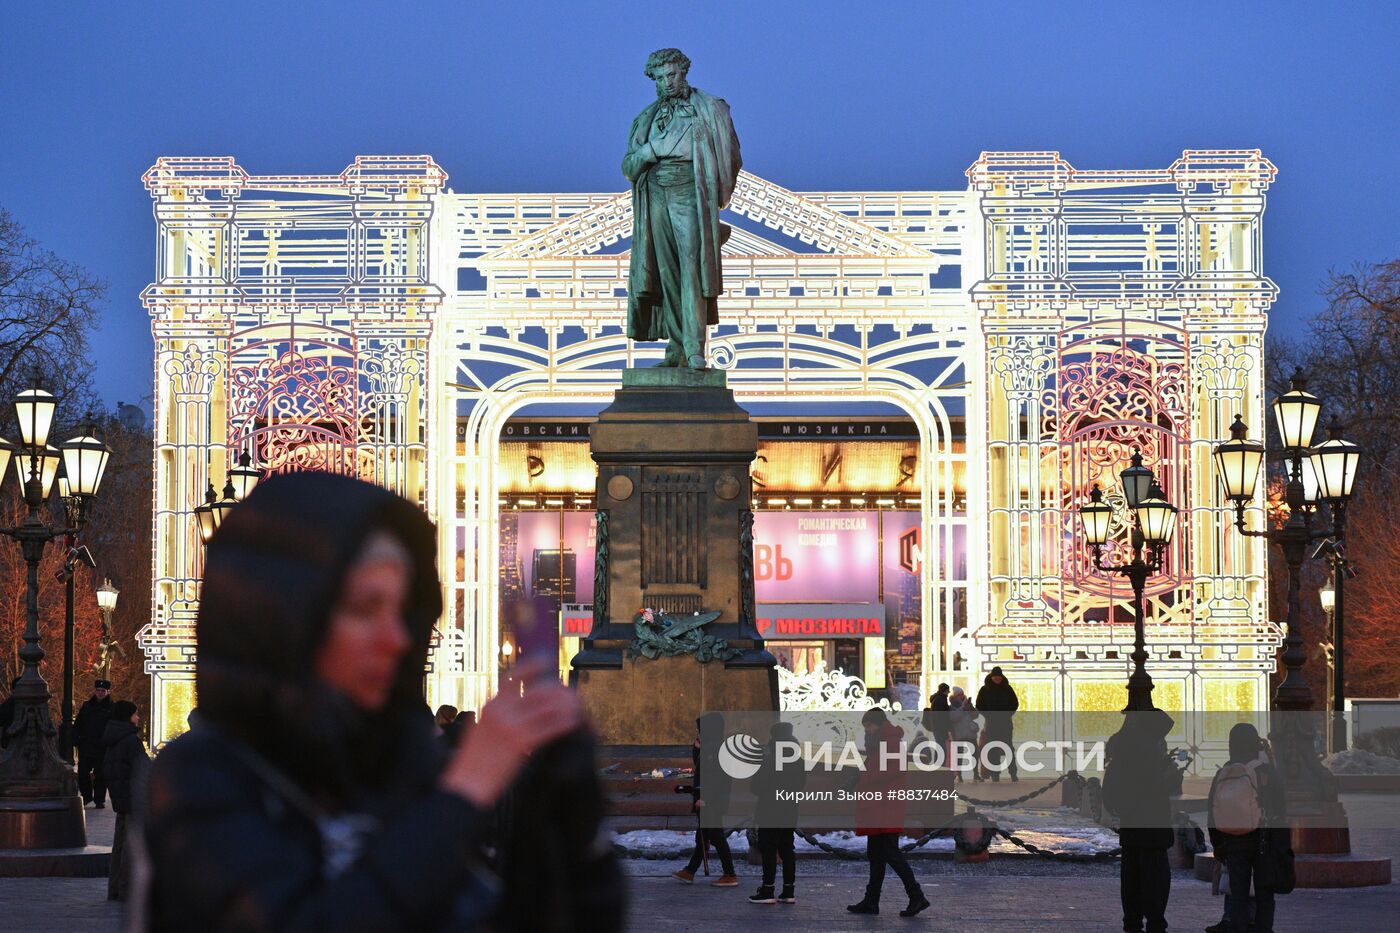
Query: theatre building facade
[938, 377]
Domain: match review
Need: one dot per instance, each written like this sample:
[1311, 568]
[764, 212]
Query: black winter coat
[711, 785]
[997, 703]
[936, 718]
[124, 762]
[1140, 779]
[769, 785]
[91, 724]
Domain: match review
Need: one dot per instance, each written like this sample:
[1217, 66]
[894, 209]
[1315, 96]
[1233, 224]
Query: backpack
[1235, 810]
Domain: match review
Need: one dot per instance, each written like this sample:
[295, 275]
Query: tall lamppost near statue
[39, 802]
[1154, 523]
[73, 506]
[1327, 597]
[1333, 465]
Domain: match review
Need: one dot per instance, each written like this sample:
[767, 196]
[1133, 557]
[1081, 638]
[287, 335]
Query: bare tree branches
[48, 311]
[1351, 358]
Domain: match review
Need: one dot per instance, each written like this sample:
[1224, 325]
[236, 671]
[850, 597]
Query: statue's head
[668, 68]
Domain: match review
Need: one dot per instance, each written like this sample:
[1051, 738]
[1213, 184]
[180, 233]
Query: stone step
[641, 764]
[627, 784]
[87, 862]
[1320, 871]
[650, 805]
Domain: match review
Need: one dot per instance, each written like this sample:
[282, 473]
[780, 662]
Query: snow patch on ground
[1357, 761]
[1058, 831]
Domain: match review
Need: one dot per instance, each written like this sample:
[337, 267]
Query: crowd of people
[315, 790]
[1245, 810]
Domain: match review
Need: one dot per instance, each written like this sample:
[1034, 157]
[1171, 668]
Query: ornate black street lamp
[82, 454]
[39, 803]
[1334, 463]
[1154, 523]
[237, 485]
[1333, 467]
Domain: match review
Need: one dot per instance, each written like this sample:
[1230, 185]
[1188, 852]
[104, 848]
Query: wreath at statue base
[660, 634]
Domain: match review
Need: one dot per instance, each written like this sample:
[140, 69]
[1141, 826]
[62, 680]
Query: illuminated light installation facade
[376, 322]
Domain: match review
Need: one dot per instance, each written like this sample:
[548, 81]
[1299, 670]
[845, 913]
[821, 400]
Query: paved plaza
[1025, 895]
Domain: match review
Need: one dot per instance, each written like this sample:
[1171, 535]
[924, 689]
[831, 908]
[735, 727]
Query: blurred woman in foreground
[316, 795]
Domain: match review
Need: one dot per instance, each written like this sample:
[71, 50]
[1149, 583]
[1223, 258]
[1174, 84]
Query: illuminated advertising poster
[816, 557]
[903, 574]
[549, 554]
[788, 621]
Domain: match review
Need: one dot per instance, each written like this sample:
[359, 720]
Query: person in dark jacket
[1241, 851]
[446, 721]
[880, 815]
[88, 729]
[713, 794]
[315, 795]
[124, 760]
[937, 720]
[963, 732]
[1138, 783]
[775, 815]
[997, 702]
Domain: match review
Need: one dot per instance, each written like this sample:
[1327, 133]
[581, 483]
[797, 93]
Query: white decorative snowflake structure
[820, 689]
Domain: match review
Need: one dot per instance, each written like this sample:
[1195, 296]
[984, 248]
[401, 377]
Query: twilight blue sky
[536, 96]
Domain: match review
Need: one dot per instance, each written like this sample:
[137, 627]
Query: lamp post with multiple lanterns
[1333, 471]
[39, 803]
[1333, 468]
[237, 484]
[73, 511]
[1154, 522]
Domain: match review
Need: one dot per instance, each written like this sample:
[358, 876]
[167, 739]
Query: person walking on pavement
[776, 817]
[1139, 781]
[710, 791]
[997, 702]
[1246, 802]
[88, 729]
[124, 760]
[880, 816]
[316, 795]
[962, 731]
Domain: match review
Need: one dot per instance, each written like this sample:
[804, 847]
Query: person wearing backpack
[1138, 783]
[1246, 805]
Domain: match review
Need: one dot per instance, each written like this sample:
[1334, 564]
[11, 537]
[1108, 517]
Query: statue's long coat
[715, 154]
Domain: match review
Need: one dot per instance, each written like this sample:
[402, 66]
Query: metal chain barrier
[860, 856]
[1016, 800]
[1036, 850]
[956, 823]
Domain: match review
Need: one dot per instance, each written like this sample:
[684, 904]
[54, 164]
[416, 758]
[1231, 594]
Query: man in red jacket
[879, 818]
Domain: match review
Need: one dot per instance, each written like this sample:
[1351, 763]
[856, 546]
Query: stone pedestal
[675, 535]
